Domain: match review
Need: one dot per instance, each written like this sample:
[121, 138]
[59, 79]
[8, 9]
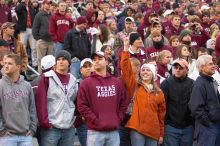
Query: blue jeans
[178, 137]
[82, 134]
[103, 138]
[57, 137]
[75, 68]
[15, 140]
[57, 47]
[208, 136]
[124, 134]
[138, 139]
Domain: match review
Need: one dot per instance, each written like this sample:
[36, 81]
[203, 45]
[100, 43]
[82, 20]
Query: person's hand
[160, 141]
[29, 133]
[126, 44]
[198, 26]
[7, 133]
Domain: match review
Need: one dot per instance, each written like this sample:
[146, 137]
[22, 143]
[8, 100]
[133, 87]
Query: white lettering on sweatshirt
[66, 22]
[106, 91]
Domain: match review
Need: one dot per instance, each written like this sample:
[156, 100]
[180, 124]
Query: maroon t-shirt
[64, 80]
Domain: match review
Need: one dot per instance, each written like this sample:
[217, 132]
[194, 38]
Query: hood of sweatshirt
[9, 81]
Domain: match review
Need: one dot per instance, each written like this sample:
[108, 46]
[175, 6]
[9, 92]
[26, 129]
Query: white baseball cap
[84, 61]
[47, 62]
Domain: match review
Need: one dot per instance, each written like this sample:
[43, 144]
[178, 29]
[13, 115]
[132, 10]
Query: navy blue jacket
[77, 44]
[205, 101]
[177, 94]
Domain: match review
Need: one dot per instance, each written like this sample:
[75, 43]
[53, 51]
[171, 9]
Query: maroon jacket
[217, 47]
[199, 40]
[102, 102]
[5, 12]
[152, 52]
[141, 56]
[162, 70]
[59, 25]
[142, 28]
[97, 23]
[170, 30]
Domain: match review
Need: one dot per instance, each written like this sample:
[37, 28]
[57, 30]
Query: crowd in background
[98, 58]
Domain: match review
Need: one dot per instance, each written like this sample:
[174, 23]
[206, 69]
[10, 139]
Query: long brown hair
[179, 53]
[104, 33]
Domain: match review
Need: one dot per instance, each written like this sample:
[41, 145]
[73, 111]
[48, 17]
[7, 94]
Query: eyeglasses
[178, 68]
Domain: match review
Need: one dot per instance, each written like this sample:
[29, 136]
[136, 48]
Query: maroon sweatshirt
[199, 40]
[162, 70]
[170, 30]
[152, 52]
[217, 47]
[59, 25]
[5, 14]
[102, 102]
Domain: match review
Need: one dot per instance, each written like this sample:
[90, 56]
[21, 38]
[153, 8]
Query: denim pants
[124, 134]
[103, 138]
[57, 47]
[82, 134]
[208, 136]
[75, 68]
[57, 137]
[138, 139]
[15, 140]
[178, 137]
[25, 37]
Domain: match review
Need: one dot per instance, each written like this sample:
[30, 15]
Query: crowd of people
[116, 72]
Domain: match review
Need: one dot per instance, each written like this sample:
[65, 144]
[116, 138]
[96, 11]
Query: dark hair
[172, 38]
[179, 53]
[203, 50]
[104, 47]
[15, 57]
[104, 33]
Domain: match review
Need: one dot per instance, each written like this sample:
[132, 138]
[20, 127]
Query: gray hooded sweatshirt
[17, 107]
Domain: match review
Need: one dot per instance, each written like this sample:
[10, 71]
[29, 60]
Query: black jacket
[177, 94]
[205, 101]
[41, 26]
[77, 44]
[21, 12]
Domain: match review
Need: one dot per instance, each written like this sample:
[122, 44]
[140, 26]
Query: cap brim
[96, 54]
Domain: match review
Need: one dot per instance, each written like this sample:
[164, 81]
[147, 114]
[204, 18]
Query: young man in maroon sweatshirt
[101, 101]
[59, 25]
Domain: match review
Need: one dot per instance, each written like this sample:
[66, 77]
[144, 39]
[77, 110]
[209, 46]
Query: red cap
[81, 20]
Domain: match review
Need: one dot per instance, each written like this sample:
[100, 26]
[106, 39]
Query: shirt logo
[106, 91]
[59, 22]
[15, 95]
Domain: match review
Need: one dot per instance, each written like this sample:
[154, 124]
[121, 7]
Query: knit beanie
[64, 54]
[133, 37]
[81, 20]
[184, 33]
[151, 67]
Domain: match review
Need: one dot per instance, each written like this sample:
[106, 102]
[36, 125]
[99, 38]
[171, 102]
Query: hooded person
[91, 16]
[142, 29]
[158, 45]
[121, 21]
